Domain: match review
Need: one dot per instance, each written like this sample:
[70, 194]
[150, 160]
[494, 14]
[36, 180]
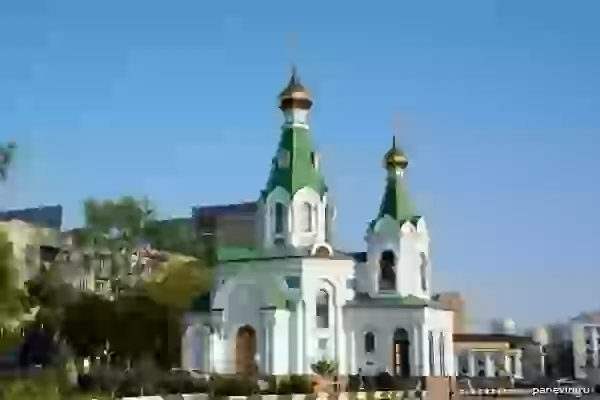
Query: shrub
[284, 386]
[179, 383]
[295, 384]
[268, 384]
[233, 386]
[384, 381]
[354, 383]
[41, 386]
[129, 386]
[325, 368]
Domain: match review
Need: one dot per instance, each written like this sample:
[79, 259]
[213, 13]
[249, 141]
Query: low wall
[392, 395]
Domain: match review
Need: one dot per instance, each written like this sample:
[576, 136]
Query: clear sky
[176, 100]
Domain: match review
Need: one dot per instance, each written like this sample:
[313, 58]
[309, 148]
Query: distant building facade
[231, 225]
[33, 247]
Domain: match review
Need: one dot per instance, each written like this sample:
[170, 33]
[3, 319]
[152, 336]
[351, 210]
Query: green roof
[409, 301]
[300, 172]
[395, 202]
[225, 254]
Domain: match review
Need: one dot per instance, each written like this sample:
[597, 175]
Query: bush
[233, 386]
[180, 383]
[295, 384]
[268, 384]
[43, 385]
[129, 386]
[284, 386]
[384, 381]
[301, 384]
[354, 383]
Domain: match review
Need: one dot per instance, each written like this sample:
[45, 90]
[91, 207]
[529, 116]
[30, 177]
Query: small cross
[292, 48]
[396, 124]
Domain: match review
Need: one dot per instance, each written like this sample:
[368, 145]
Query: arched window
[442, 355]
[279, 217]
[306, 217]
[387, 271]
[401, 352]
[369, 342]
[431, 354]
[322, 309]
[424, 264]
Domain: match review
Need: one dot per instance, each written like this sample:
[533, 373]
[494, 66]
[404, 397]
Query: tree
[13, 300]
[173, 286]
[88, 324]
[7, 152]
[115, 228]
[176, 283]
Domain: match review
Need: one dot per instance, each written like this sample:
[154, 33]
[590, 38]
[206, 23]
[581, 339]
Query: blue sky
[176, 100]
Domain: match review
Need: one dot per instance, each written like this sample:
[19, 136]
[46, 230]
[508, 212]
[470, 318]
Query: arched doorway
[245, 350]
[401, 352]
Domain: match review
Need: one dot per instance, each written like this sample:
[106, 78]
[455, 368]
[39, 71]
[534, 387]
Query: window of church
[424, 264]
[306, 217]
[322, 344]
[387, 271]
[322, 309]
[431, 354]
[314, 159]
[283, 159]
[401, 352]
[293, 282]
[280, 211]
[369, 342]
[442, 355]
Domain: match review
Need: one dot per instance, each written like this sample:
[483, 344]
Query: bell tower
[397, 239]
[294, 210]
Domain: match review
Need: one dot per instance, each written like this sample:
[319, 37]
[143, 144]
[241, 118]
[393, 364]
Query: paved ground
[593, 396]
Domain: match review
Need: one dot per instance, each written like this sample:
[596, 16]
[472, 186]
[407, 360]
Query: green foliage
[87, 324]
[233, 386]
[7, 155]
[179, 281]
[13, 300]
[325, 368]
[41, 386]
[295, 384]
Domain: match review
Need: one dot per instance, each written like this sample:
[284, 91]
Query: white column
[542, 361]
[217, 356]
[268, 349]
[340, 354]
[416, 357]
[508, 365]
[299, 344]
[267, 323]
[293, 342]
[352, 350]
[306, 326]
[449, 355]
[187, 348]
[488, 365]
[471, 358]
[518, 365]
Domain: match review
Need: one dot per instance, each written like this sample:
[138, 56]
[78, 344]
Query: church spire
[395, 201]
[295, 101]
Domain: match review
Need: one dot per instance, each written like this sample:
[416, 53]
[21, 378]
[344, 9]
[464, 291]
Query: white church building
[299, 300]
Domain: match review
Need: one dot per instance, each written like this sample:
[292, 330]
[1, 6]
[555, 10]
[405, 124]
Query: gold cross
[292, 48]
[396, 125]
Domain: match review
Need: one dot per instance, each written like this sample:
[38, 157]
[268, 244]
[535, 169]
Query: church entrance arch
[401, 352]
[245, 350]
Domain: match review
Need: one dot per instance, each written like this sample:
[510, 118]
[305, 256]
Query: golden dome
[395, 157]
[294, 95]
